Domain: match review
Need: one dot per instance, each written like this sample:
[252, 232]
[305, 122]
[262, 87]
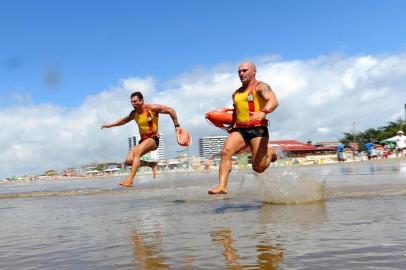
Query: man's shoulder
[153, 106]
[157, 108]
[263, 85]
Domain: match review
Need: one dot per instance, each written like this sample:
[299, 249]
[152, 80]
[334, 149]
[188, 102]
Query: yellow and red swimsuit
[147, 122]
[246, 102]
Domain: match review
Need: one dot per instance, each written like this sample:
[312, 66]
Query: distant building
[353, 146]
[132, 141]
[293, 148]
[328, 144]
[157, 154]
[210, 147]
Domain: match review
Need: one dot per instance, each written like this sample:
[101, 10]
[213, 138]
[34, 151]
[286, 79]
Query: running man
[146, 117]
[252, 102]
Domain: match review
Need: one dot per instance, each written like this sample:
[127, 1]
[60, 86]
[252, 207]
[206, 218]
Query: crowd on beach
[394, 147]
[344, 154]
[391, 147]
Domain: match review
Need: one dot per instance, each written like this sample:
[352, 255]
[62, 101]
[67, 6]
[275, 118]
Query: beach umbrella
[92, 172]
[111, 170]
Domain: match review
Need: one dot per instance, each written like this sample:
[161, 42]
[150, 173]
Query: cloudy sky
[68, 67]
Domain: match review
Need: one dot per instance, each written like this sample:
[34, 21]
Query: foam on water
[291, 186]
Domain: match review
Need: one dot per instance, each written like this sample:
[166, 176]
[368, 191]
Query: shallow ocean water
[171, 223]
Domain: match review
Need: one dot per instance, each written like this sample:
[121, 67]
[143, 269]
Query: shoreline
[279, 163]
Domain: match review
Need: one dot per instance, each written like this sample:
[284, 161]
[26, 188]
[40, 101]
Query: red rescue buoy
[183, 137]
[222, 118]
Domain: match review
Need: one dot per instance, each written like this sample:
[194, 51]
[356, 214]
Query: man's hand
[257, 115]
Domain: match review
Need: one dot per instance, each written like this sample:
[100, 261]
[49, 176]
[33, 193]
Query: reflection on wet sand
[223, 237]
[269, 257]
[148, 252]
[147, 255]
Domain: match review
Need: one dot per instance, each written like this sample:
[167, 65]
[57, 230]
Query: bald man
[252, 102]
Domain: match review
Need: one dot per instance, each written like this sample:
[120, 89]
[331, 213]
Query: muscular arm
[120, 121]
[265, 91]
[165, 110]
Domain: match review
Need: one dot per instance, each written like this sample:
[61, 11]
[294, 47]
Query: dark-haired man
[146, 117]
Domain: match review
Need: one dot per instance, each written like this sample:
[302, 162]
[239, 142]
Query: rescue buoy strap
[252, 123]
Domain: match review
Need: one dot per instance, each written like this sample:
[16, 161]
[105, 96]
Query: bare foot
[217, 190]
[154, 168]
[272, 154]
[126, 183]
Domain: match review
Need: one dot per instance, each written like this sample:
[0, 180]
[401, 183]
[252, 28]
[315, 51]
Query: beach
[332, 216]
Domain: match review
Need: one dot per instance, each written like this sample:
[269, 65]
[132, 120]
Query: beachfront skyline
[66, 67]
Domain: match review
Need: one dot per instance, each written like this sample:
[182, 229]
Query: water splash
[291, 186]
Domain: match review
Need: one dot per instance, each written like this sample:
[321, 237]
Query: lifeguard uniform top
[246, 102]
[147, 122]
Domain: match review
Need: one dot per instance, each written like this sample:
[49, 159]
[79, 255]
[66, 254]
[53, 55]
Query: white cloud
[323, 130]
[319, 99]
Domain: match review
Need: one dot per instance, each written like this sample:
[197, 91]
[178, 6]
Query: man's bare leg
[154, 169]
[130, 156]
[153, 165]
[130, 162]
[262, 155]
[224, 172]
[233, 144]
[137, 152]
[129, 181]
